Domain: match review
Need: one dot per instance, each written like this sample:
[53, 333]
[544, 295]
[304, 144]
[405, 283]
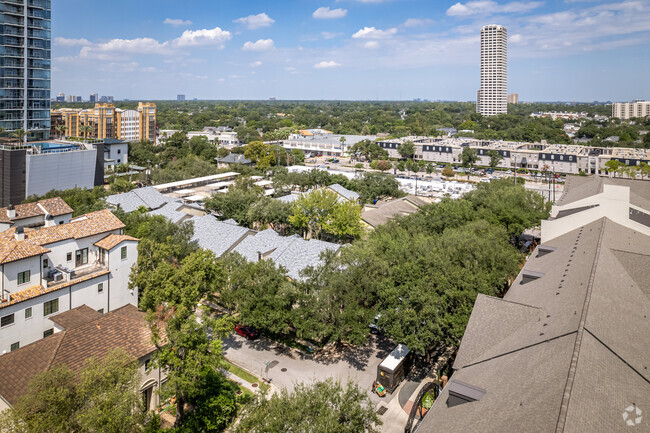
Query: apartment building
[35, 215]
[106, 121]
[25, 41]
[492, 97]
[220, 136]
[627, 110]
[513, 98]
[44, 271]
[560, 158]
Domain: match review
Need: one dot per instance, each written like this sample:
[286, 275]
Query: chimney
[20, 233]
[259, 256]
[11, 212]
[49, 220]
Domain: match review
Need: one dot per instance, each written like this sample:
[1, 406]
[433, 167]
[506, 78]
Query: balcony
[61, 275]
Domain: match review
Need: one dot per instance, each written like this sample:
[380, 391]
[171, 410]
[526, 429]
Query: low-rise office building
[43, 271]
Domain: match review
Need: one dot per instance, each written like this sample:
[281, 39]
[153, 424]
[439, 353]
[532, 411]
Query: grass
[243, 374]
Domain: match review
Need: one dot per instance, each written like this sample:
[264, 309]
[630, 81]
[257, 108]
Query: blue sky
[347, 49]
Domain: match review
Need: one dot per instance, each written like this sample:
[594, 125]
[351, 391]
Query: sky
[558, 50]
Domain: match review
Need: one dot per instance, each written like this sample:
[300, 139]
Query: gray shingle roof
[217, 236]
[567, 352]
[171, 212]
[234, 158]
[292, 252]
[149, 197]
[344, 192]
[580, 187]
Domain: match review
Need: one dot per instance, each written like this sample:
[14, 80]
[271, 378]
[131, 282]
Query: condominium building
[25, 40]
[626, 110]
[492, 97]
[559, 158]
[80, 261]
[513, 98]
[106, 121]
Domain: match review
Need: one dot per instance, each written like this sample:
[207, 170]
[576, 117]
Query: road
[289, 367]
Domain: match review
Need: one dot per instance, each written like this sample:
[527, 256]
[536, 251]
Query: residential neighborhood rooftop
[53, 206]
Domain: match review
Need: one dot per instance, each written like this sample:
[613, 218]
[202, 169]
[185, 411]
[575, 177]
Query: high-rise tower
[492, 97]
[25, 39]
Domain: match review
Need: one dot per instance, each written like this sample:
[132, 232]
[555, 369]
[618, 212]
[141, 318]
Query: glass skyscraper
[25, 56]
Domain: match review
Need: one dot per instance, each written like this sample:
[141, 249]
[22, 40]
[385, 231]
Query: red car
[248, 332]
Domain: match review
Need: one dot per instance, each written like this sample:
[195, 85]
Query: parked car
[248, 332]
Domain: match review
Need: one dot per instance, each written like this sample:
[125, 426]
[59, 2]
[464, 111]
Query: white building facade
[627, 110]
[56, 268]
[492, 97]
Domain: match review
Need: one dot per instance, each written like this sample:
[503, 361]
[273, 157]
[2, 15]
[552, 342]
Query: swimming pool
[51, 147]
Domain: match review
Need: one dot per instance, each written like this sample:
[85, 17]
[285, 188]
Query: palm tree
[20, 135]
[61, 129]
[85, 129]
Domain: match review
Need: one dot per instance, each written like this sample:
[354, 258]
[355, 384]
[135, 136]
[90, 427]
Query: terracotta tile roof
[83, 226]
[76, 317]
[35, 291]
[125, 328]
[113, 240]
[54, 206]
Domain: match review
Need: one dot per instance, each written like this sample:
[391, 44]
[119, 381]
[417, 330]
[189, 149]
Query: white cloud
[290, 69]
[487, 7]
[330, 35]
[326, 64]
[373, 33]
[325, 13]
[253, 22]
[150, 69]
[255, 64]
[259, 45]
[130, 46]
[515, 39]
[417, 22]
[177, 22]
[72, 42]
[371, 44]
[193, 38]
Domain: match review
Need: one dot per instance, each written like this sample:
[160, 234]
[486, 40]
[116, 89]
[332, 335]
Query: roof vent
[460, 392]
[542, 250]
[528, 276]
[11, 212]
[20, 233]
[49, 220]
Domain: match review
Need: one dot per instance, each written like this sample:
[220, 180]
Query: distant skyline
[347, 49]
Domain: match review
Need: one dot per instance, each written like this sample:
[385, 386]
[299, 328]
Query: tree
[613, 166]
[469, 157]
[104, 396]
[121, 185]
[326, 406]
[345, 221]
[236, 202]
[406, 149]
[312, 211]
[61, 129]
[269, 212]
[298, 156]
[495, 158]
[448, 172]
[258, 153]
[187, 350]
[380, 165]
[429, 168]
[20, 134]
[85, 130]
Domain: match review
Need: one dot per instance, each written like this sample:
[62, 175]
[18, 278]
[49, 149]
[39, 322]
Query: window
[100, 311]
[15, 346]
[81, 257]
[102, 257]
[123, 253]
[23, 277]
[48, 332]
[6, 320]
[100, 287]
[119, 151]
[46, 263]
[68, 257]
[50, 307]
[28, 313]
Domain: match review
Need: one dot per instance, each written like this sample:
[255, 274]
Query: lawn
[246, 376]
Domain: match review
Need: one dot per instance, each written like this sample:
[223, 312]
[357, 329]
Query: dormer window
[542, 250]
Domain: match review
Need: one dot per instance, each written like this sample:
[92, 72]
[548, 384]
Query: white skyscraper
[492, 97]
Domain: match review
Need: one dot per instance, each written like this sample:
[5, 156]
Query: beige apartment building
[626, 110]
[107, 121]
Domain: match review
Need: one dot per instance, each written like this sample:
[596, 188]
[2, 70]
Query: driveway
[286, 368]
